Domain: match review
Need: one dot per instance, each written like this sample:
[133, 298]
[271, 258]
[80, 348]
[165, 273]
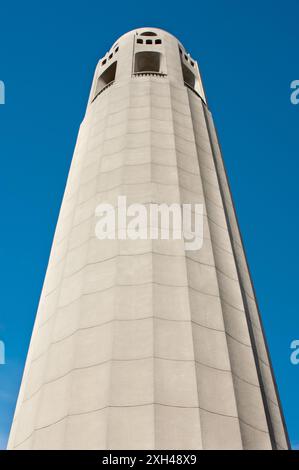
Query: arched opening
[148, 33]
[188, 77]
[107, 77]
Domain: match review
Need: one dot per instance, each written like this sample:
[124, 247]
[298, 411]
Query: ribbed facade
[142, 344]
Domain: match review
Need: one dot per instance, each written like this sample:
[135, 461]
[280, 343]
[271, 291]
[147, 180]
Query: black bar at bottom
[138, 458]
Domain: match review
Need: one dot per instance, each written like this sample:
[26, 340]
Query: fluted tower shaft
[139, 343]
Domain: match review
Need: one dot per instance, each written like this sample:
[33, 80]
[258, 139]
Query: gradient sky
[248, 55]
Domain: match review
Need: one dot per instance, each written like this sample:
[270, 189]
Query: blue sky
[248, 54]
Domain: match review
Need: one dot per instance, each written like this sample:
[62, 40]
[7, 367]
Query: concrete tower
[142, 344]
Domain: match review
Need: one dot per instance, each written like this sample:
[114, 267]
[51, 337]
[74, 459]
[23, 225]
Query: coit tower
[141, 343]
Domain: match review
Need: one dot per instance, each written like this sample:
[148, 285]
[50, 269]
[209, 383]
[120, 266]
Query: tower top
[145, 52]
[147, 31]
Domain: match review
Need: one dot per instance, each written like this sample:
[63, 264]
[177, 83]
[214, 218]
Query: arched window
[188, 76]
[148, 33]
[108, 76]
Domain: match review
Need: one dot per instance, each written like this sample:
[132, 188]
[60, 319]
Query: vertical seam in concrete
[220, 298]
[107, 411]
[187, 275]
[243, 293]
[257, 307]
[155, 406]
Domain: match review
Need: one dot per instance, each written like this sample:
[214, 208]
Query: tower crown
[146, 52]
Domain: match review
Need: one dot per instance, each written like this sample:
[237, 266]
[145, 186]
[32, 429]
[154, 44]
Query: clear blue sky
[248, 56]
